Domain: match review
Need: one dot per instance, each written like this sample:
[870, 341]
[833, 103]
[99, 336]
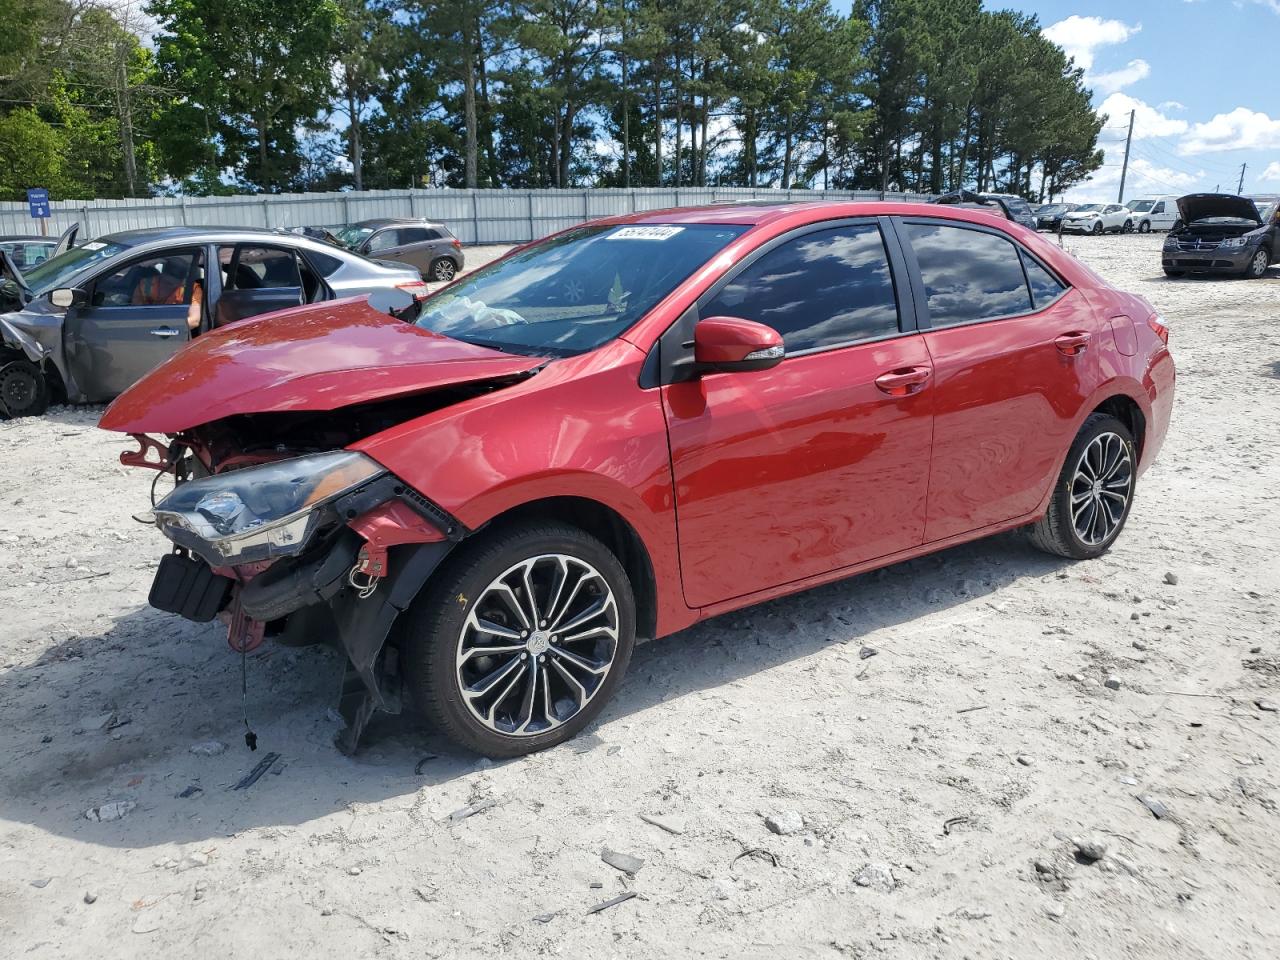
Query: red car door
[821, 461]
[1014, 354]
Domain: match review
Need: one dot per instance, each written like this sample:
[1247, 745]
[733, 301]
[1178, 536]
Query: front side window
[575, 291]
[821, 289]
[968, 275]
[160, 280]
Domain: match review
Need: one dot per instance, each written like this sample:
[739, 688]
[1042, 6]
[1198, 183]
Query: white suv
[1098, 218]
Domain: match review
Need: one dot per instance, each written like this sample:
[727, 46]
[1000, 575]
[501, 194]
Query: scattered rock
[1025, 760]
[186, 793]
[1090, 849]
[208, 748]
[41, 883]
[1137, 743]
[1155, 805]
[114, 810]
[622, 861]
[198, 892]
[1055, 910]
[664, 823]
[354, 871]
[1112, 683]
[866, 653]
[47, 738]
[876, 876]
[1171, 579]
[1269, 706]
[545, 917]
[90, 897]
[326, 911]
[722, 889]
[1135, 615]
[784, 823]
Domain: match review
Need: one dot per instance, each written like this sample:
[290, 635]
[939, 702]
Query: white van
[1153, 213]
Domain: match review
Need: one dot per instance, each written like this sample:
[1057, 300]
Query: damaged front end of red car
[278, 529]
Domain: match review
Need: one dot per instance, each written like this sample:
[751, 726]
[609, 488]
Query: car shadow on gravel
[113, 716]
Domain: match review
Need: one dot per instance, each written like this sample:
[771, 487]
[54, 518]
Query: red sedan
[631, 426]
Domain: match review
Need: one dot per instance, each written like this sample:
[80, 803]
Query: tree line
[286, 95]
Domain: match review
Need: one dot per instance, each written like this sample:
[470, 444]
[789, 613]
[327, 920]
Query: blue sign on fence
[38, 201]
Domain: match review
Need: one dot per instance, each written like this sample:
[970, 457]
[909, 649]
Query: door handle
[163, 332]
[1074, 343]
[903, 382]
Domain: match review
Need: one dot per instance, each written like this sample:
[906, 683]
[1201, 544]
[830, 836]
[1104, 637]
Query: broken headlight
[264, 512]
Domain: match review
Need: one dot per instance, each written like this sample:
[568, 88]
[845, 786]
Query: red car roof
[756, 214]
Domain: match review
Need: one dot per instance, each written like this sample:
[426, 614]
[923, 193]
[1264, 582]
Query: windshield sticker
[644, 233]
[93, 245]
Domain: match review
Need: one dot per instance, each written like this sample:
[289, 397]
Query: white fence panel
[475, 216]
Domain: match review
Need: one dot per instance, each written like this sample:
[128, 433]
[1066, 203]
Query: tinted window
[821, 289]
[323, 262]
[1045, 287]
[968, 275]
[411, 235]
[1158, 208]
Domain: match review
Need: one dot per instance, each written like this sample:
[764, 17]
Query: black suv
[1011, 206]
[1221, 233]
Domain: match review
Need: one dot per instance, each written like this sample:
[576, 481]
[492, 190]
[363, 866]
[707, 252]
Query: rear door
[1014, 356]
[257, 279]
[136, 319]
[822, 461]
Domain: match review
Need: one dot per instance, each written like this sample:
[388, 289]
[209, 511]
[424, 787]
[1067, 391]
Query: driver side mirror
[66, 297]
[731, 343]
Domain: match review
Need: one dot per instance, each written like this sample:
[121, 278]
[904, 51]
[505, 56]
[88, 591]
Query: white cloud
[1115, 80]
[1272, 173]
[1148, 121]
[1241, 129]
[1171, 105]
[1143, 178]
[1081, 36]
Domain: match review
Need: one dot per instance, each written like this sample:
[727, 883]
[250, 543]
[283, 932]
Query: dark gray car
[423, 244]
[1221, 233]
[84, 325]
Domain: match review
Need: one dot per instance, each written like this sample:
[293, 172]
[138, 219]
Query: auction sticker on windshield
[644, 233]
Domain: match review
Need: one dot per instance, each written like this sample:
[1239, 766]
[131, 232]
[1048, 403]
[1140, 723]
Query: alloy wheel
[537, 645]
[1259, 264]
[444, 270]
[1100, 488]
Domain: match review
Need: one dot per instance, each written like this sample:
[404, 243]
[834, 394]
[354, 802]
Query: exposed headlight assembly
[264, 512]
[1244, 241]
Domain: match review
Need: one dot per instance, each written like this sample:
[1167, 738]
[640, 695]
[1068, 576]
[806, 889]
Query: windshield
[1140, 206]
[352, 237]
[57, 271]
[1050, 209]
[1267, 211]
[1089, 208]
[575, 291]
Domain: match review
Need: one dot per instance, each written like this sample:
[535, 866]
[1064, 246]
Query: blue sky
[1203, 76]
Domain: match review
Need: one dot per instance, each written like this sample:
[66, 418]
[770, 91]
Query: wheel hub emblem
[539, 641]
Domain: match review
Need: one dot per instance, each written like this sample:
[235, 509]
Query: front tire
[1097, 228]
[1257, 267]
[520, 640]
[443, 270]
[1094, 492]
[1128, 227]
[24, 391]
[1174, 274]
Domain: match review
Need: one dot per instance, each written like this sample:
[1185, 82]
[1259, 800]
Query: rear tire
[1094, 492]
[559, 681]
[442, 270]
[24, 391]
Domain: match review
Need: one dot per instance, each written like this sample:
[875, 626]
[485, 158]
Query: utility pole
[1240, 189]
[1124, 170]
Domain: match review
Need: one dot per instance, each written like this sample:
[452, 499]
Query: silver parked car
[424, 244]
[84, 325]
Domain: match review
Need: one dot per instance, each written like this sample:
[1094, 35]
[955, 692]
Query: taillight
[418, 289]
[1158, 328]
[457, 243]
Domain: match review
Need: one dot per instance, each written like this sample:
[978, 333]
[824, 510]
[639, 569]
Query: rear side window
[324, 263]
[1045, 287]
[407, 235]
[968, 275]
[821, 289]
[256, 268]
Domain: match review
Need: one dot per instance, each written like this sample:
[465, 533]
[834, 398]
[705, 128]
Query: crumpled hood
[310, 358]
[1198, 206]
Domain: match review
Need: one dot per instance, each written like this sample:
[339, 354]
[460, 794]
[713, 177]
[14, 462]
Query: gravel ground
[975, 789]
